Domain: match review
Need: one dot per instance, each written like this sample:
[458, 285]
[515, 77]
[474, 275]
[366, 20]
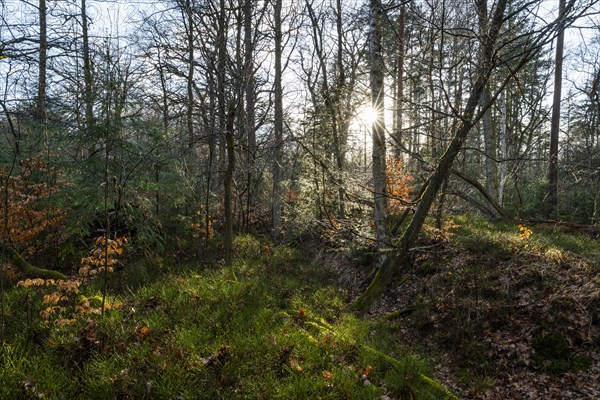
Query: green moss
[553, 355]
[580, 363]
[551, 346]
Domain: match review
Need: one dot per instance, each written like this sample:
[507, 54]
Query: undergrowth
[271, 326]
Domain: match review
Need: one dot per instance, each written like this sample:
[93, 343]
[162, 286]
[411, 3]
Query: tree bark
[190, 76]
[378, 128]
[278, 125]
[221, 76]
[488, 148]
[43, 60]
[250, 104]
[490, 212]
[339, 134]
[331, 94]
[399, 83]
[227, 197]
[503, 152]
[87, 69]
[555, 124]
[499, 211]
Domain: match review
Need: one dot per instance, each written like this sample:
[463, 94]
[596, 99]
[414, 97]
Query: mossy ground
[271, 326]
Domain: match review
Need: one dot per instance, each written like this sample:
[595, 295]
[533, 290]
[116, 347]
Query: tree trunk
[190, 76]
[499, 212]
[250, 105]
[503, 152]
[43, 60]
[87, 69]
[378, 128]
[227, 197]
[555, 124]
[276, 212]
[339, 134]
[330, 94]
[487, 140]
[212, 101]
[165, 127]
[399, 84]
[221, 76]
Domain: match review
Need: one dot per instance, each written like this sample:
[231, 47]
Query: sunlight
[369, 115]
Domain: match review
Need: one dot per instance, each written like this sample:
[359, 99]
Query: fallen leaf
[295, 365]
[143, 332]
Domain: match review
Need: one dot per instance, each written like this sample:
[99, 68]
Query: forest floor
[504, 311]
[489, 311]
[273, 325]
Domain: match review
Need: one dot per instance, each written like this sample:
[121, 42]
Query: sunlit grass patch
[270, 326]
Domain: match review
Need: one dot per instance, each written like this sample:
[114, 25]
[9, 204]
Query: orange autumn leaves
[104, 254]
[65, 302]
[328, 376]
[398, 185]
[295, 365]
[29, 210]
[525, 235]
[202, 225]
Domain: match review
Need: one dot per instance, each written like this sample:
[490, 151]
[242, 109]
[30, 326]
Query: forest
[300, 199]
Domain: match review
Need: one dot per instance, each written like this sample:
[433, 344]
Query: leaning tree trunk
[401, 257]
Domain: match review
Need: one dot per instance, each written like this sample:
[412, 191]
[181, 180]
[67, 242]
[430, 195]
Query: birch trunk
[503, 155]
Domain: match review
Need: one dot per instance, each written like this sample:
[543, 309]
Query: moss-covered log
[26, 268]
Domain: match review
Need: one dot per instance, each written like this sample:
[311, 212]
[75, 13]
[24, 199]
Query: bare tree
[555, 123]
